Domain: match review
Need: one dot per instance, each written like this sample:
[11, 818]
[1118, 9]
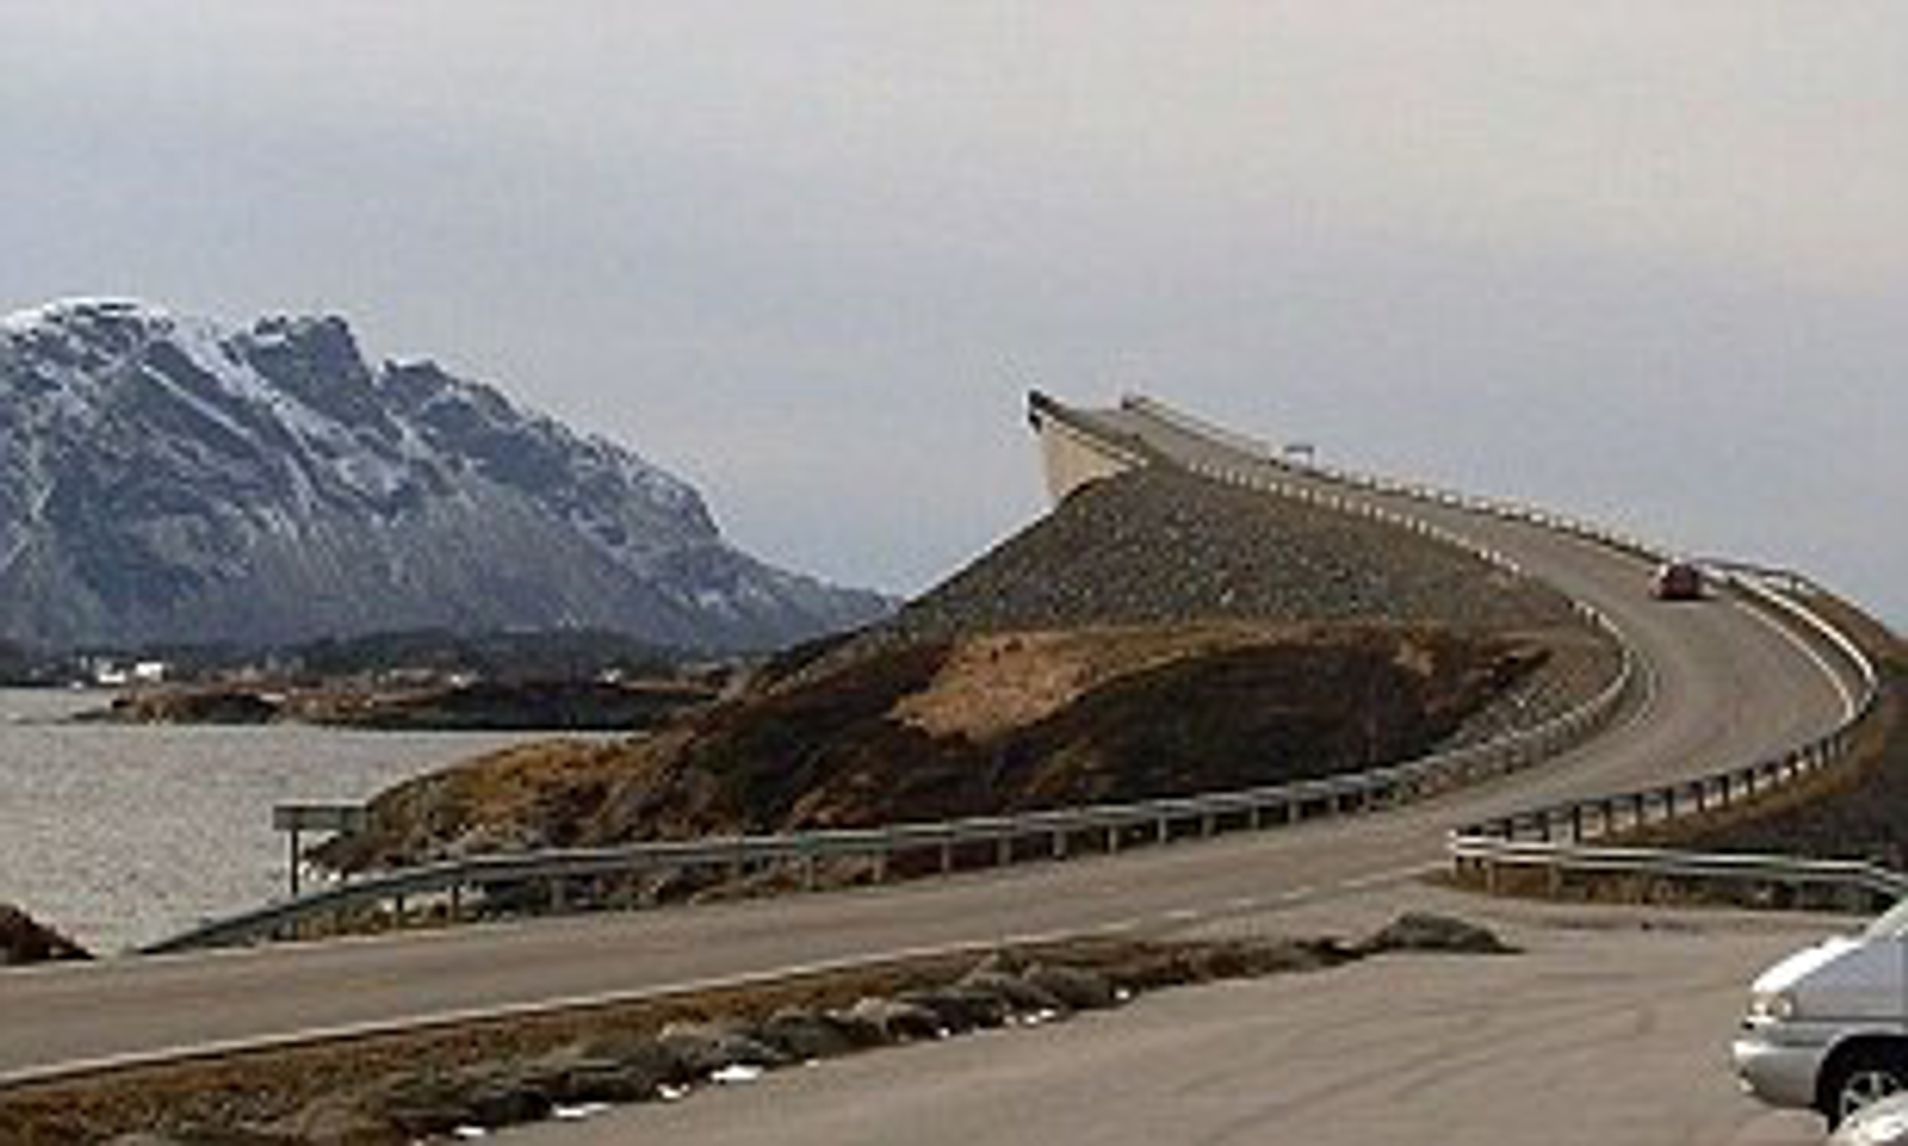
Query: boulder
[1076, 987]
[1422, 931]
[705, 1048]
[572, 1075]
[343, 1119]
[897, 1021]
[806, 1035]
[860, 1026]
[489, 1095]
[1251, 958]
[1020, 996]
[642, 1065]
[958, 1009]
[22, 940]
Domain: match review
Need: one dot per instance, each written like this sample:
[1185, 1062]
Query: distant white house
[110, 674]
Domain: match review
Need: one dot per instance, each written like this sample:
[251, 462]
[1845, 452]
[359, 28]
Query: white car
[1827, 1027]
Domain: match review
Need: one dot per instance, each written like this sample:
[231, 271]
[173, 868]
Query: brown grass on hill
[992, 684]
[987, 725]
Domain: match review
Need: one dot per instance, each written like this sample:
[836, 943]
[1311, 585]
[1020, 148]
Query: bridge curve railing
[1055, 833]
[1005, 839]
[1557, 836]
[1045, 834]
[1561, 837]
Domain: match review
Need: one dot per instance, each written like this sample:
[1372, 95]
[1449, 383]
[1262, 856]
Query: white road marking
[1394, 875]
[1849, 706]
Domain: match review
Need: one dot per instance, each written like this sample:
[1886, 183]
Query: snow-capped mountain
[165, 478]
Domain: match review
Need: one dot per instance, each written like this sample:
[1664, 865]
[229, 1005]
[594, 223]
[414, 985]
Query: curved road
[1727, 685]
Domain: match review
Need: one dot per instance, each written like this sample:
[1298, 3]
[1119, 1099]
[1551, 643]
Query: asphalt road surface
[1725, 686]
[1609, 1030]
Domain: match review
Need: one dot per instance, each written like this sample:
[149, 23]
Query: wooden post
[297, 859]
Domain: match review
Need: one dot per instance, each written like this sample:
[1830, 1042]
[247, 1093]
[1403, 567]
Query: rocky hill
[23, 940]
[980, 725]
[165, 478]
[1156, 634]
[1156, 545]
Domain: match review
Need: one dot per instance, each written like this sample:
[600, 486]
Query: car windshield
[1890, 924]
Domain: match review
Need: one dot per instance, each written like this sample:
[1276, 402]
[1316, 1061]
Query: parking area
[1611, 1028]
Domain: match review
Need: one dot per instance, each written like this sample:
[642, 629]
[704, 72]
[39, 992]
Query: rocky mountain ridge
[167, 478]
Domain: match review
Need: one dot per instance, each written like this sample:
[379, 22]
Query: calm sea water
[119, 836]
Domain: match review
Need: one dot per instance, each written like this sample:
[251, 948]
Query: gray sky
[1645, 261]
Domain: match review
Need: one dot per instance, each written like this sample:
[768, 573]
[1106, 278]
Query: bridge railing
[455, 887]
[578, 878]
[1554, 837]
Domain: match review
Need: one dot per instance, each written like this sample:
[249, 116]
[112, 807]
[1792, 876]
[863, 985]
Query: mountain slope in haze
[165, 478]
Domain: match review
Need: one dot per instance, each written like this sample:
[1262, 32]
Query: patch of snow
[64, 309]
[200, 406]
[715, 601]
[736, 1072]
[578, 1112]
[669, 1092]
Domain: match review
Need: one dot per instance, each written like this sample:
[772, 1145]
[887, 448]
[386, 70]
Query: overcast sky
[1646, 261]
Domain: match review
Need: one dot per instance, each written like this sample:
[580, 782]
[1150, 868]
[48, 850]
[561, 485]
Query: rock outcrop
[998, 724]
[22, 940]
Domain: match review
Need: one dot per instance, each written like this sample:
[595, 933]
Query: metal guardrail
[572, 878]
[1555, 836]
[1485, 858]
[565, 876]
[1557, 833]
[576, 877]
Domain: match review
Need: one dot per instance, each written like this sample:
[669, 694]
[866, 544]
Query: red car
[1678, 581]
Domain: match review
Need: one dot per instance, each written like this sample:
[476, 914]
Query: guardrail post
[1576, 823]
[1004, 849]
[1059, 843]
[456, 902]
[1112, 838]
[810, 876]
[947, 856]
[559, 894]
[1162, 830]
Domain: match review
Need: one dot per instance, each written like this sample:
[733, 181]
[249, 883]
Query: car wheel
[1859, 1080]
